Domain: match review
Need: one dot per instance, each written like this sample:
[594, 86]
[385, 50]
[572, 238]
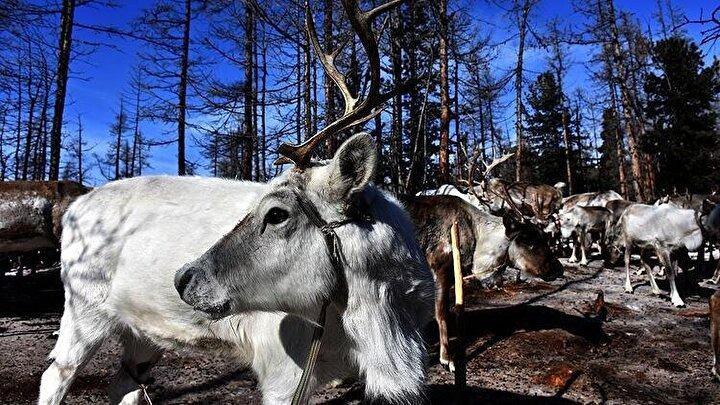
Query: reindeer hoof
[628, 289]
[656, 292]
[572, 260]
[583, 262]
[448, 364]
[678, 303]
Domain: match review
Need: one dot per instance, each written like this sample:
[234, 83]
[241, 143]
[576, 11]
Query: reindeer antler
[488, 169]
[471, 172]
[495, 162]
[356, 111]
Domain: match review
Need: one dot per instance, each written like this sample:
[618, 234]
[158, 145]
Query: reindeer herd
[319, 274]
[152, 261]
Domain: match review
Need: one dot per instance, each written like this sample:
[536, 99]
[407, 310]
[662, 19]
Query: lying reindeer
[487, 244]
[581, 222]
[666, 230]
[256, 270]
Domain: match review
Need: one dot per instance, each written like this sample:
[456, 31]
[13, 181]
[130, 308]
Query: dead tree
[249, 95]
[444, 162]
[63, 66]
[522, 13]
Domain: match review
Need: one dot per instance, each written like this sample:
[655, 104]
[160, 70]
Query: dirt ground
[528, 343]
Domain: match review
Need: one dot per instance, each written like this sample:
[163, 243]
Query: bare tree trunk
[566, 142]
[256, 78]
[307, 91]
[329, 87]
[459, 139]
[63, 65]
[42, 130]
[31, 116]
[481, 114]
[493, 133]
[626, 98]
[298, 91]
[396, 173]
[18, 128]
[559, 67]
[581, 169]
[380, 173]
[416, 131]
[444, 159]
[182, 91]
[263, 92]
[3, 163]
[619, 144]
[249, 95]
[519, 109]
[314, 97]
[79, 152]
[136, 136]
[118, 139]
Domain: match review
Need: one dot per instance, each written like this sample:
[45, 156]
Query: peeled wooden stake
[459, 310]
[457, 269]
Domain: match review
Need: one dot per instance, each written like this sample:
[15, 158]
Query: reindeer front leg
[671, 267]
[643, 261]
[574, 246]
[442, 292]
[628, 284]
[583, 248]
[602, 249]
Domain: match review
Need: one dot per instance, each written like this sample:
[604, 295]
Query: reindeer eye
[276, 216]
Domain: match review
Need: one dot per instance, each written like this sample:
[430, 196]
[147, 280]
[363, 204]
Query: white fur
[124, 242]
[664, 229]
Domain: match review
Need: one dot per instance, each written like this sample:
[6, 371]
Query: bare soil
[533, 342]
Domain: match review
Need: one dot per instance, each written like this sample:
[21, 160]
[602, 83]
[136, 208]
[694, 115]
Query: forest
[620, 102]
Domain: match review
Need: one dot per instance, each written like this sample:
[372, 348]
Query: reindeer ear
[353, 166]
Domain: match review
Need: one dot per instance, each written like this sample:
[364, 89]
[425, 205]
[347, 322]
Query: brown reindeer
[539, 201]
[536, 201]
[488, 245]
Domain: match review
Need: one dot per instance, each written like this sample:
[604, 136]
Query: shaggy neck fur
[389, 297]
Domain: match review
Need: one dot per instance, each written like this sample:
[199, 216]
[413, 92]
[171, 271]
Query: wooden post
[459, 310]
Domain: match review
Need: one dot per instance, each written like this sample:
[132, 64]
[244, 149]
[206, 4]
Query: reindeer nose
[183, 277]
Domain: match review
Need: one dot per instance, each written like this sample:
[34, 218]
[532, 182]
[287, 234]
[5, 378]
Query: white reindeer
[250, 291]
[663, 229]
[163, 263]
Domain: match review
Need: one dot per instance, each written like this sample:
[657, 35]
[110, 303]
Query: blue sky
[99, 80]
